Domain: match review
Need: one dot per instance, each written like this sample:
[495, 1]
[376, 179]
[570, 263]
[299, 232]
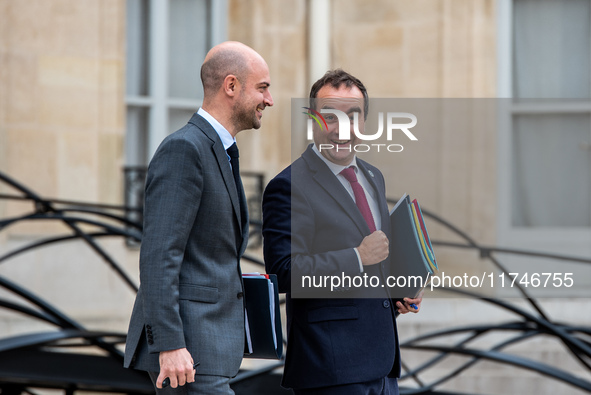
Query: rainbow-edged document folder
[411, 252]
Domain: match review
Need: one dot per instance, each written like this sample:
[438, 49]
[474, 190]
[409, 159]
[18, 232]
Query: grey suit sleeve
[173, 192]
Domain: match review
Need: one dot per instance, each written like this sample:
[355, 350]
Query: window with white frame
[551, 133]
[545, 150]
[167, 41]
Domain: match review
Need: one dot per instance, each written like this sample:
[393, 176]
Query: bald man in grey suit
[189, 307]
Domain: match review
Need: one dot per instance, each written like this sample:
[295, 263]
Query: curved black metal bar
[47, 241]
[28, 193]
[56, 216]
[515, 361]
[523, 326]
[508, 326]
[29, 312]
[64, 321]
[406, 391]
[13, 220]
[529, 330]
[101, 252]
[478, 331]
[486, 250]
[410, 373]
[531, 324]
[253, 260]
[72, 222]
[572, 343]
[44, 206]
[255, 223]
[53, 213]
[47, 338]
[578, 348]
[475, 245]
[75, 203]
[119, 218]
[428, 388]
[551, 329]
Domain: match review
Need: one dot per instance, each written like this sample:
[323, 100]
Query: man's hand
[374, 248]
[177, 365]
[406, 307]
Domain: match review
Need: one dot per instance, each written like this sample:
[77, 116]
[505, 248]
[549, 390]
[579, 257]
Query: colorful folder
[411, 253]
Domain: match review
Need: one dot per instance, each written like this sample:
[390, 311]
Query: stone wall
[62, 116]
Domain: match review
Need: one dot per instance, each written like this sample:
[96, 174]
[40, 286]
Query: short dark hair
[337, 78]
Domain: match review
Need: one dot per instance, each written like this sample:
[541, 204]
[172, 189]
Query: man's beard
[244, 117]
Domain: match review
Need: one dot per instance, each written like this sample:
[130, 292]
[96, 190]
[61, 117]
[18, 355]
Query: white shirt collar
[336, 169]
[225, 136]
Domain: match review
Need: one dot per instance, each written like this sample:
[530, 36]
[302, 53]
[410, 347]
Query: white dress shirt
[225, 136]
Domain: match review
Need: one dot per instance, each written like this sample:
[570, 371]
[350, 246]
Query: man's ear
[231, 85]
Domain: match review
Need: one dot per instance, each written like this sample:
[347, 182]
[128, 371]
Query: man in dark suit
[327, 214]
[189, 307]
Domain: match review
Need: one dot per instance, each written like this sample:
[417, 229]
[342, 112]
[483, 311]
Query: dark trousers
[383, 386]
[203, 385]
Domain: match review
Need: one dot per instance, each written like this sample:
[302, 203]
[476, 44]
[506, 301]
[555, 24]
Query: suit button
[240, 295]
[386, 304]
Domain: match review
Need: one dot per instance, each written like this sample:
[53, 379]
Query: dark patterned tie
[360, 198]
[234, 154]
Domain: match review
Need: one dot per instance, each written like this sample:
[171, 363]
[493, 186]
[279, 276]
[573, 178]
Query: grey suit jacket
[191, 292]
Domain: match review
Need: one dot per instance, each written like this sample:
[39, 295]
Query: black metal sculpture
[37, 361]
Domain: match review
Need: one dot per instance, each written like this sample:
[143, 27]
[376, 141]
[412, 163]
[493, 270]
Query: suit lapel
[223, 163]
[331, 184]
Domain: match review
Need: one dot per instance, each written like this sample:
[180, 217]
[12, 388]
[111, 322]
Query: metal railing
[88, 222]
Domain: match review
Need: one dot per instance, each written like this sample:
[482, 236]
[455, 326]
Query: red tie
[360, 198]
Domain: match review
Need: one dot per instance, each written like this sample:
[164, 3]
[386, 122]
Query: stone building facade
[67, 110]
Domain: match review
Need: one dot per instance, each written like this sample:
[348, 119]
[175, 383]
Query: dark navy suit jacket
[338, 340]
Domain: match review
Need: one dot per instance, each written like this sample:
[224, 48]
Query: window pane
[189, 42]
[552, 49]
[136, 152]
[138, 37]
[178, 118]
[552, 170]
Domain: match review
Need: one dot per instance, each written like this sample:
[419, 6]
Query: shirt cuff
[359, 259]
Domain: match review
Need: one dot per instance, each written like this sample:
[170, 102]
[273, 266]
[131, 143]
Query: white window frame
[157, 101]
[562, 240]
